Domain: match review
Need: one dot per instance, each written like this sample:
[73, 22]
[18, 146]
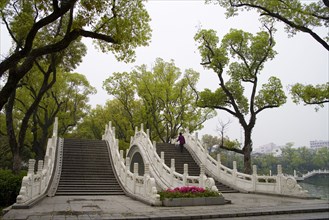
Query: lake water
[317, 186]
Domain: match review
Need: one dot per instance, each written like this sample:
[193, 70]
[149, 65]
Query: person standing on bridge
[181, 141]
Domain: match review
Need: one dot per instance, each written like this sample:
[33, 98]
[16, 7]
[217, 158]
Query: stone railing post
[127, 169]
[234, 173]
[185, 174]
[205, 154]
[40, 167]
[55, 128]
[30, 173]
[218, 165]
[146, 177]
[278, 179]
[162, 162]
[202, 176]
[254, 177]
[135, 176]
[172, 170]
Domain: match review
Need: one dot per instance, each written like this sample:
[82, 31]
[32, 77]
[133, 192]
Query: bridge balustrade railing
[35, 184]
[309, 174]
[278, 184]
[140, 187]
[167, 177]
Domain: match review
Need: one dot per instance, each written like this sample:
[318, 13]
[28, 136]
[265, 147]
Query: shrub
[187, 192]
[9, 186]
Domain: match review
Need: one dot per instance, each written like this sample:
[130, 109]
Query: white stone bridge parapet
[309, 174]
[36, 184]
[279, 184]
[141, 187]
[143, 151]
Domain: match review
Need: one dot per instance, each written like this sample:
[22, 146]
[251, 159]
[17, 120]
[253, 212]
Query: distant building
[270, 148]
[318, 144]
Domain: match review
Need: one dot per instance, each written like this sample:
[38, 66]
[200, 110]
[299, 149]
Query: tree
[168, 100]
[116, 26]
[249, 53]
[32, 109]
[93, 125]
[209, 141]
[311, 95]
[297, 16]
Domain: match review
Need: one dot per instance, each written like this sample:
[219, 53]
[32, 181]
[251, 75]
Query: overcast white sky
[174, 23]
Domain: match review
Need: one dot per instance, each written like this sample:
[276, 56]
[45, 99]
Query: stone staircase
[87, 169]
[173, 152]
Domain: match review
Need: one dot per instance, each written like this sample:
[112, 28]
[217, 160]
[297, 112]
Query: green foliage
[297, 15]
[252, 52]
[310, 94]
[93, 125]
[162, 98]
[187, 192]
[9, 186]
[238, 63]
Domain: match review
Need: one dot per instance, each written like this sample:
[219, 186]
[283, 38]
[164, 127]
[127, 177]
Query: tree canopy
[295, 14]
[167, 99]
[42, 28]
[238, 62]
[298, 16]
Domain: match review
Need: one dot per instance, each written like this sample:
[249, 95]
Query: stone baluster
[142, 127]
[39, 173]
[219, 171]
[148, 133]
[205, 154]
[135, 176]
[55, 127]
[185, 174]
[162, 155]
[30, 174]
[121, 156]
[202, 176]
[234, 172]
[254, 177]
[146, 177]
[172, 170]
[278, 179]
[127, 169]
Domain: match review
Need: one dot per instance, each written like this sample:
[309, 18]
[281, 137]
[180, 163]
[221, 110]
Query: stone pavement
[246, 206]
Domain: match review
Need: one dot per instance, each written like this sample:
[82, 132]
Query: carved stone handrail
[141, 187]
[279, 184]
[35, 184]
[166, 177]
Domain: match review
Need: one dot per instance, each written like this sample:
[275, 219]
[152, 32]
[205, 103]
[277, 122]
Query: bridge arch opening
[136, 157]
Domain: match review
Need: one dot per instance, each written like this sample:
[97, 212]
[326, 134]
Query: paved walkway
[121, 207]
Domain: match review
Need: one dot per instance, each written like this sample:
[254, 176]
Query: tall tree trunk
[247, 148]
[14, 147]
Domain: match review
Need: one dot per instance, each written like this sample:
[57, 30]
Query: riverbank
[123, 207]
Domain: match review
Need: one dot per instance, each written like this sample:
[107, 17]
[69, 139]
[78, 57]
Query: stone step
[87, 170]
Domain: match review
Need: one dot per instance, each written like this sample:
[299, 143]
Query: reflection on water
[317, 186]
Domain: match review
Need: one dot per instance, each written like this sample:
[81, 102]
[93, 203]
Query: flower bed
[190, 196]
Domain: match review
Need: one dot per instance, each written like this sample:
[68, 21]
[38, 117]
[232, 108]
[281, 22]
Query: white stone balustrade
[141, 187]
[166, 177]
[35, 184]
[279, 184]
